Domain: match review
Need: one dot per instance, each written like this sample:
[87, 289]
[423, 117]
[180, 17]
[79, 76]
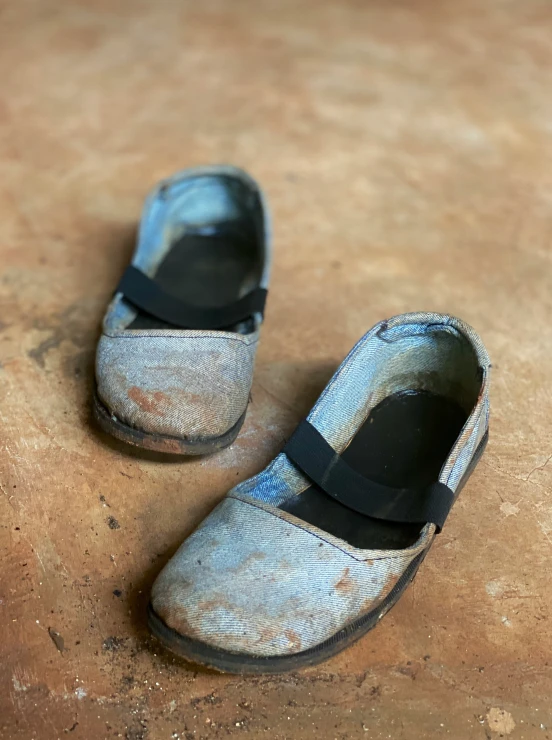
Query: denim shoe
[174, 364]
[303, 559]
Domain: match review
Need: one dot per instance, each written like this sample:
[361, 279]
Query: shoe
[174, 364]
[300, 561]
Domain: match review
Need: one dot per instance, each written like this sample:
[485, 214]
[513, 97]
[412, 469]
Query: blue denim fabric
[254, 579]
[423, 351]
[181, 383]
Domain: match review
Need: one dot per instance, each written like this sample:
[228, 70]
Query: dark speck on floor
[57, 639]
[113, 643]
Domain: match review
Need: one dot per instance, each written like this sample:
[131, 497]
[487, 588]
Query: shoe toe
[193, 388]
[251, 583]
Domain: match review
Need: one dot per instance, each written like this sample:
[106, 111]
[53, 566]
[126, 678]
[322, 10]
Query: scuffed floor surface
[407, 151]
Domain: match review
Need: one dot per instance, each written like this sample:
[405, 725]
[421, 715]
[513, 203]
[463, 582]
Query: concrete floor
[406, 148]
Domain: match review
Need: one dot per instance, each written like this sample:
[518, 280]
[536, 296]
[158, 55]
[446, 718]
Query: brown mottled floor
[407, 151]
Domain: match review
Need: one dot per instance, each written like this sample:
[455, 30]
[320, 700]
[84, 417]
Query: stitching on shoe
[418, 546]
[123, 334]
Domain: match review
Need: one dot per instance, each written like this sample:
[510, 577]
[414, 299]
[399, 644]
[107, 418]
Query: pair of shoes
[301, 560]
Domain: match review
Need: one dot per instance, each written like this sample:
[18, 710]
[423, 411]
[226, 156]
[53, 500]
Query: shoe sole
[162, 442]
[225, 661]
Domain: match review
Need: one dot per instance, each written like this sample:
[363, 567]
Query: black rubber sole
[162, 442]
[225, 661]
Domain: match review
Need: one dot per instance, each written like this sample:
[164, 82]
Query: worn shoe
[301, 560]
[175, 361]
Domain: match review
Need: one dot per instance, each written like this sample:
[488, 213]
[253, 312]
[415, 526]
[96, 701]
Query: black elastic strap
[145, 293]
[310, 452]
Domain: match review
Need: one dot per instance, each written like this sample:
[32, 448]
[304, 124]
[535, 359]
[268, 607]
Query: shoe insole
[208, 268]
[403, 443]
